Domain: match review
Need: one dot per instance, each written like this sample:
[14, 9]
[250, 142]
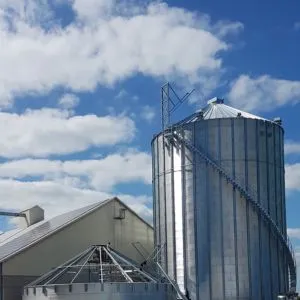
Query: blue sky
[80, 80]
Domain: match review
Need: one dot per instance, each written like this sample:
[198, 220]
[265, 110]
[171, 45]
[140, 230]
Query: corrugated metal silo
[219, 205]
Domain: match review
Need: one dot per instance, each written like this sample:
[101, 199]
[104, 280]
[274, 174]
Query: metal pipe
[83, 265]
[174, 284]
[134, 267]
[12, 214]
[66, 269]
[65, 265]
[101, 270]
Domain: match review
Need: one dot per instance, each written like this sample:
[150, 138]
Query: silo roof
[216, 109]
[99, 263]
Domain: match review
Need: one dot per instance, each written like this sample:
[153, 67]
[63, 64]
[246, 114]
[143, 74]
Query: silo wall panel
[264, 200]
[156, 194]
[279, 169]
[190, 212]
[106, 291]
[214, 201]
[154, 189]
[162, 202]
[241, 208]
[178, 214]
[254, 234]
[228, 202]
[170, 199]
[202, 214]
[273, 205]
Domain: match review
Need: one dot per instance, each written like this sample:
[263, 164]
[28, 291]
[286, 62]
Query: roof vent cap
[33, 215]
[278, 121]
[215, 100]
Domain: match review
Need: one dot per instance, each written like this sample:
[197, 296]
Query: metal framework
[99, 264]
[246, 194]
[170, 101]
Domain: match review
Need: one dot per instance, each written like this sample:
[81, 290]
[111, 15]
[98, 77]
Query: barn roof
[18, 240]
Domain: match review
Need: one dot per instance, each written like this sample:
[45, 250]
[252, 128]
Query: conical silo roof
[100, 273]
[216, 109]
[97, 264]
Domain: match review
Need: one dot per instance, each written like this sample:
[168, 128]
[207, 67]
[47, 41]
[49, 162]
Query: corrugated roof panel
[221, 110]
[26, 237]
[216, 109]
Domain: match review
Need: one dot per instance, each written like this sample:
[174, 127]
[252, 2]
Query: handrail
[174, 284]
[257, 206]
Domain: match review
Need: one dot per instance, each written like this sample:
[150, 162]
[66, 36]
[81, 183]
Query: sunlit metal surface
[228, 251]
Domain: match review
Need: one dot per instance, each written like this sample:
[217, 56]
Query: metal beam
[101, 264]
[67, 268]
[174, 284]
[129, 264]
[118, 265]
[170, 101]
[67, 264]
[77, 274]
[12, 214]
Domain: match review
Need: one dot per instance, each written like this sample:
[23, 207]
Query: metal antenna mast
[170, 101]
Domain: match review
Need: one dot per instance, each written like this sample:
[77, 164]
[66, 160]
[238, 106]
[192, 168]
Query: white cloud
[126, 97]
[151, 41]
[57, 198]
[90, 10]
[102, 174]
[297, 26]
[32, 12]
[105, 43]
[68, 101]
[225, 28]
[294, 232]
[53, 131]
[58, 185]
[292, 176]
[263, 93]
[121, 94]
[148, 113]
[292, 147]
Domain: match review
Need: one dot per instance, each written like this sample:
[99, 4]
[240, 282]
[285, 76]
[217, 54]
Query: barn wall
[95, 228]
[132, 229]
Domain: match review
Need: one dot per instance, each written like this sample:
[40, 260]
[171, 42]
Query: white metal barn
[38, 248]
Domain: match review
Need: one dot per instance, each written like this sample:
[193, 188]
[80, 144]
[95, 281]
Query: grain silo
[99, 273]
[219, 205]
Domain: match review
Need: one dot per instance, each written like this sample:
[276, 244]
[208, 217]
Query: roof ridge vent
[215, 100]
